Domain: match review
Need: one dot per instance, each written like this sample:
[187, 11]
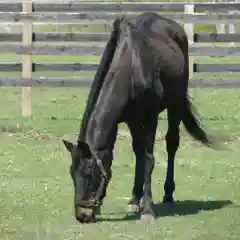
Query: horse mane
[98, 80]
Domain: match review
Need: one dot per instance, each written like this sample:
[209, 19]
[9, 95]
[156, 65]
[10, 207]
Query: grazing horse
[143, 70]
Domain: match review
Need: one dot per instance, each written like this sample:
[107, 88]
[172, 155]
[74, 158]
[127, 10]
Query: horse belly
[143, 103]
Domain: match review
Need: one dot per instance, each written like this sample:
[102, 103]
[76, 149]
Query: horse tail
[193, 126]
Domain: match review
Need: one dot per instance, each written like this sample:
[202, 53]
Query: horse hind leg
[172, 144]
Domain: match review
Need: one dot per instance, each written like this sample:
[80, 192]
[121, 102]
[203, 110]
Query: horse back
[167, 39]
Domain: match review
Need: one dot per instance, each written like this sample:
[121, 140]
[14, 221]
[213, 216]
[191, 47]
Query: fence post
[220, 28]
[189, 29]
[27, 30]
[232, 28]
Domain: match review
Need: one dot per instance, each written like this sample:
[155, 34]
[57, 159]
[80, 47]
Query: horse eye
[86, 170]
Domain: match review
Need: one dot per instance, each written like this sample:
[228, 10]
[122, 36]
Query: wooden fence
[28, 13]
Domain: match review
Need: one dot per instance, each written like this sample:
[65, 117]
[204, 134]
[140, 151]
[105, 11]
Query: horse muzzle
[84, 215]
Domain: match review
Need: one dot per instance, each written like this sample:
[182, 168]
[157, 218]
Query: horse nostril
[84, 215]
[81, 218]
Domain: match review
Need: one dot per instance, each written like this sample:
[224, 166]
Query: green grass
[36, 193]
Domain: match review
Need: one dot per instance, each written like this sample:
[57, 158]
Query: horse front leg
[143, 144]
[138, 145]
[150, 127]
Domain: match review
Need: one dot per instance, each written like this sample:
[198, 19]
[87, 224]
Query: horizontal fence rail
[30, 43]
[51, 49]
[50, 67]
[69, 6]
[86, 82]
[215, 67]
[194, 50]
[105, 18]
[103, 37]
[216, 37]
[58, 37]
[89, 67]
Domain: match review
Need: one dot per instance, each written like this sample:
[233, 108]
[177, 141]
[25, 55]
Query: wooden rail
[89, 67]
[194, 50]
[86, 82]
[106, 18]
[69, 6]
[103, 37]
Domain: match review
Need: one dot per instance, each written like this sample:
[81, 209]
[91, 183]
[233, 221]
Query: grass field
[36, 194]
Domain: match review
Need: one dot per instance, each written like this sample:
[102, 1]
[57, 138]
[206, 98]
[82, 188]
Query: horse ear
[69, 145]
[84, 147]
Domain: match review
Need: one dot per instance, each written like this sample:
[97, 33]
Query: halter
[95, 202]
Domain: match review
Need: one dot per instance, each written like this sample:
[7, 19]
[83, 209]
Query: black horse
[139, 76]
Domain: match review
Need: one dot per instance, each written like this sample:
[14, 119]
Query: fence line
[28, 13]
[194, 50]
[63, 82]
[104, 18]
[86, 67]
[103, 37]
[69, 6]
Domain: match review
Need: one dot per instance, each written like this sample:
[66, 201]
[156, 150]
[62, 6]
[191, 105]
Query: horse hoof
[97, 210]
[168, 199]
[132, 208]
[148, 217]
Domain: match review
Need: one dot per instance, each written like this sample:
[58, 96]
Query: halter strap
[95, 202]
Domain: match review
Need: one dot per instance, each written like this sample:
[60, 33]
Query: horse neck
[102, 127]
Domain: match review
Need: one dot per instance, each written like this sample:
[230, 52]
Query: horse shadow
[177, 208]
